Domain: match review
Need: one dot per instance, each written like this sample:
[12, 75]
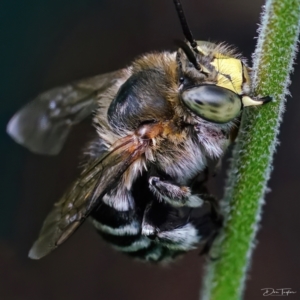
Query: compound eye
[212, 103]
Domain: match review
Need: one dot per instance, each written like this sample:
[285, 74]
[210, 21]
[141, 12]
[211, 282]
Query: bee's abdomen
[122, 229]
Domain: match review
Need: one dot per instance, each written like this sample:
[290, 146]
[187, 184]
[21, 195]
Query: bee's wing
[43, 124]
[74, 207]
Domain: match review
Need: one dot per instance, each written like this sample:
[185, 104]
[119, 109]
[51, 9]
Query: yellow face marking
[204, 69]
[201, 50]
[230, 72]
[220, 55]
[246, 74]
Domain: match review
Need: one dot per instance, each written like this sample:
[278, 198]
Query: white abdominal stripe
[184, 238]
[120, 201]
[139, 244]
[129, 240]
[120, 237]
[133, 228]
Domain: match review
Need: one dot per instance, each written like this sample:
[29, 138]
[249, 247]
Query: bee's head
[210, 84]
[213, 82]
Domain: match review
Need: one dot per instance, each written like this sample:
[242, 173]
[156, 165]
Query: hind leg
[180, 229]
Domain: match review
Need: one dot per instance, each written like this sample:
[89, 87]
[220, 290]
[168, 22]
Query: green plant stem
[253, 153]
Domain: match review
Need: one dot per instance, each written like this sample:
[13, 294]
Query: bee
[163, 123]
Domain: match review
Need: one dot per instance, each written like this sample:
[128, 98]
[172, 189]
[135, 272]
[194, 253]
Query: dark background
[49, 43]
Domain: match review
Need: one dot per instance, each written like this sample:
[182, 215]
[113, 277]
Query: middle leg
[175, 195]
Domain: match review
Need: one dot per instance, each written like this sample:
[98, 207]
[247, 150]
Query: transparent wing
[43, 124]
[74, 207]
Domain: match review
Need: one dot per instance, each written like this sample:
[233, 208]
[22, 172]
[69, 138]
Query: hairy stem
[253, 153]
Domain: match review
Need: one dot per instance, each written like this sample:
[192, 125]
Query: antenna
[185, 27]
[188, 52]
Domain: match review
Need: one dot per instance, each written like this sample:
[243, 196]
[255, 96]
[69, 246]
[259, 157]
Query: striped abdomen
[152, 230]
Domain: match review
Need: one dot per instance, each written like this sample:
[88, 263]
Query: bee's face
[213, 88]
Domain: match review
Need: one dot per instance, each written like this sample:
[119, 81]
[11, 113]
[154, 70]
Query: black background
[49, 43]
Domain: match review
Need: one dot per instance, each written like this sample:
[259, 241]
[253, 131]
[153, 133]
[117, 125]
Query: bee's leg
[218, 219]
[170, 227]
[173, 194]
[208, 244]
[181, 229]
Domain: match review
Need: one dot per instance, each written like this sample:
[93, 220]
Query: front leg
[173, 194]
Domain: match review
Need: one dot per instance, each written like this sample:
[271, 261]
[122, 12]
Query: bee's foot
[266, 99]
